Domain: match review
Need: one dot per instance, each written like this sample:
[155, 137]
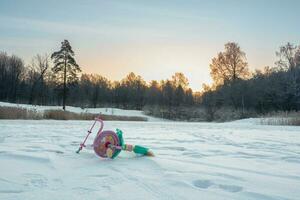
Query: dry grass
[18, 113]
[23, 113]
[284, 121]
[66, 115]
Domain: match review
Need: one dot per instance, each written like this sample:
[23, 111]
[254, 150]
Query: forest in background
[235, 93]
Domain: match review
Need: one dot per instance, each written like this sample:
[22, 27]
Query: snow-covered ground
[106, 111]
[237, 160]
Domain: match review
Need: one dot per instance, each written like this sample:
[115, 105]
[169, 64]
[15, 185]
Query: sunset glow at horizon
[153, 39]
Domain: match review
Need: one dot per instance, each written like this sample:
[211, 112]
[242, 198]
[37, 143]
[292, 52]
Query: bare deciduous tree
[179, 79]
[38, 68]
[287, 56]
[229, 65]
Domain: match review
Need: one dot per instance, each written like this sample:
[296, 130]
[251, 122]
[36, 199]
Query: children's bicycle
[108, 144]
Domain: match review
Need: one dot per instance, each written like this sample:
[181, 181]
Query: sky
[154, 38]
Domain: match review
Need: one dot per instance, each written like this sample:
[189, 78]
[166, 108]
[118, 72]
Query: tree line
[56, 80]
[40, 83]
[270, 89]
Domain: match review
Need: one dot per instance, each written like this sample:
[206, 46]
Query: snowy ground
[238, 160]
[106, 111]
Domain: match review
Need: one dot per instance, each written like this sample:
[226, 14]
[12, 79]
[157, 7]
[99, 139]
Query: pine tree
[65, 67]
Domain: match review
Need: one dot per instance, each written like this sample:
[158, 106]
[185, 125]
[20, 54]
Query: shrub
[181, 113]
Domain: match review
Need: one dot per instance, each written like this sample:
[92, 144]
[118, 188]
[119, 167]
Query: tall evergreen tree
[65, 67]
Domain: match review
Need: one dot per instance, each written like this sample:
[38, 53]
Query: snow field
[237, 160]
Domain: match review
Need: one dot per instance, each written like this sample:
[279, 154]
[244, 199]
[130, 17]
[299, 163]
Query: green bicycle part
[120, 136]
[140, 150]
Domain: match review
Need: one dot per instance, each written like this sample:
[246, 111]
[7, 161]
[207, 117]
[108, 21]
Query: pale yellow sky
[153, 38]
[157, 62]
